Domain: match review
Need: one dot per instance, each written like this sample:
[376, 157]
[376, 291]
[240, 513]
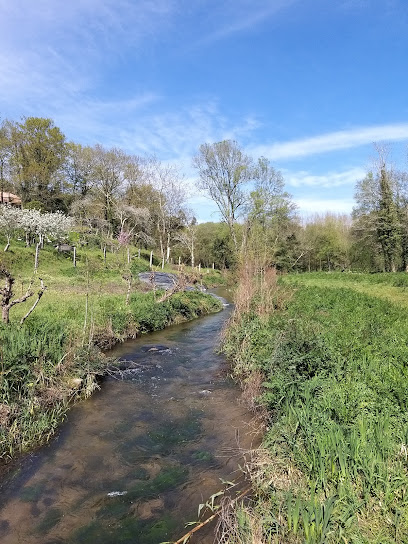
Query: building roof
[9, 198]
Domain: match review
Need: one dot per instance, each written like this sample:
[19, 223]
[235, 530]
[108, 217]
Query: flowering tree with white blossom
[9, 222]
[52, 226]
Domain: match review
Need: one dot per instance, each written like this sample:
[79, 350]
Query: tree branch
[39, 295]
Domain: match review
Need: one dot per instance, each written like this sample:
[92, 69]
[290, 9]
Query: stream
[132, 463]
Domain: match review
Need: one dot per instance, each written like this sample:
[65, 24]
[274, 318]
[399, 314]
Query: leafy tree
[78, 168]
[38, 154]
[388, 228]
[378, 213]
[270, 218]
[327, 242]
[107, 175]
[214, 245]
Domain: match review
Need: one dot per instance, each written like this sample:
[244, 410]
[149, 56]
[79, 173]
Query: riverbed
[132, 463]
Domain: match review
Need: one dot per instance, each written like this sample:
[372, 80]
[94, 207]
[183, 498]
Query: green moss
[32, 493]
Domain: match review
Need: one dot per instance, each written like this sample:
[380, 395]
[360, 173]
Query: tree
[78, 168]
[377, 215]
[10, 222]
[187, 238]
[388, 228]
[213, 244]
[167, 208]
[6, 293]
[134, 223]
[223, 170]
[326, 242]
[270, 217]
[38, 154]
[5, 157]
[108, 179]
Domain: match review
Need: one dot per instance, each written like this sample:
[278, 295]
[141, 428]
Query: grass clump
[335, 388]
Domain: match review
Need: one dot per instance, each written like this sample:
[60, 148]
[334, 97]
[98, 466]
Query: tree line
[113, 195]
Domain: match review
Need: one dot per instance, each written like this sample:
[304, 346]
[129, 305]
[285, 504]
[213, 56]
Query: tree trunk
[5, 314]
[37, 251]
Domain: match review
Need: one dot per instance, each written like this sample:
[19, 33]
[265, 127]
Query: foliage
[333, 360]
[52, 360]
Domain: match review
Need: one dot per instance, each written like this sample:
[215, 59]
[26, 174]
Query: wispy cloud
[54, 52]
[178, 135]
[242, 16]
[333, 141]
[330, 180]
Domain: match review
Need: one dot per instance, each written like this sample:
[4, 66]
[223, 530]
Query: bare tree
[224, 169]
[167, 209]
[6, 293]
[188, 236]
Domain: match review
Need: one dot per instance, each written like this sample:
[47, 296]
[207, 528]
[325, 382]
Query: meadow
[55, 357]
[324, 359]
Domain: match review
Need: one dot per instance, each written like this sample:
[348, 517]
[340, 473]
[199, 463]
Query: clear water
[132, 463]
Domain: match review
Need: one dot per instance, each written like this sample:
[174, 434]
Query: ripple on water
[138, 457]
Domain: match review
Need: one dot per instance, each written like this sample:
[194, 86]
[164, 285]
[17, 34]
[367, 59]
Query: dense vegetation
[115, 196]
[327, 364]
[54, 357]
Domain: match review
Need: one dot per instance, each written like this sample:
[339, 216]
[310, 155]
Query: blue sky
[309, 84]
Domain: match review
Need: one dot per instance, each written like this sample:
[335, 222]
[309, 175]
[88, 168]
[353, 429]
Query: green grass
[393, 287]
[53, 358]
[334, 366]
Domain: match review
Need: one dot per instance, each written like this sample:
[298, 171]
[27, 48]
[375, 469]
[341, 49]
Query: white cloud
[311, 205]
[329, 180]
[333, 141]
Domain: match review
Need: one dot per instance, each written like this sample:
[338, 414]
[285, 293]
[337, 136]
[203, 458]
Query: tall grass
[334, 365]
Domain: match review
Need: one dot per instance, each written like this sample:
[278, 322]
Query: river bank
[55, 357]
[326, 365]
[133, 462]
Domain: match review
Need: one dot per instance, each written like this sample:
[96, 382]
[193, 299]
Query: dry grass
[272, 473]
[238, 524]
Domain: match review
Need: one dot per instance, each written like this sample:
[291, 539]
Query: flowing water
[132, 463]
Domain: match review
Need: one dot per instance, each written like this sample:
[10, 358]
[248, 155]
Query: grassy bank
[54, 358]
[327, 362]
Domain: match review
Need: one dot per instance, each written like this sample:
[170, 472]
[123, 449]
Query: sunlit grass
[52, 359]
[388, 286]
[335, 385]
